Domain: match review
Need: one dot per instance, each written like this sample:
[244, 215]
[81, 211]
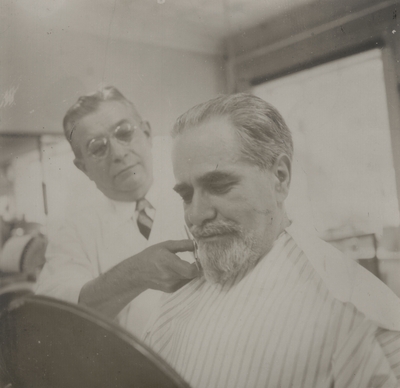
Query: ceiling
[195, 25]
[189, 24]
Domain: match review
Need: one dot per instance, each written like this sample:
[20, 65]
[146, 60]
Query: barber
[116, 255]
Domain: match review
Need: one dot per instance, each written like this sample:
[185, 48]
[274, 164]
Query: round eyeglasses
[99, 147]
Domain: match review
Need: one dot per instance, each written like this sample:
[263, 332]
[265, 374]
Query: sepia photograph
[199, 193]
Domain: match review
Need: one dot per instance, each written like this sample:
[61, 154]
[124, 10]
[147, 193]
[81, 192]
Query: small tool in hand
[195, 246]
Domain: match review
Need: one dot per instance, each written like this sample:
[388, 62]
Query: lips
[217, 230]
[124, 170]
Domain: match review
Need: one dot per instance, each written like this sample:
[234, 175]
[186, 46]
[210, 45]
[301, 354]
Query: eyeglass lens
[98, 147]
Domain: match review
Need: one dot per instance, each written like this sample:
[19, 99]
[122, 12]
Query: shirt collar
[124, 211]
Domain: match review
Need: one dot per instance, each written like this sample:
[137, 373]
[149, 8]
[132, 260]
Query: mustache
[215, 228]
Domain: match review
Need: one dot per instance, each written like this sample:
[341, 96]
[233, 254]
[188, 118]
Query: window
[343, 175]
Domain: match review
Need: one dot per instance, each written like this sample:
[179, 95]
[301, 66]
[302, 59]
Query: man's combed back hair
[89, 104]
[262, 131]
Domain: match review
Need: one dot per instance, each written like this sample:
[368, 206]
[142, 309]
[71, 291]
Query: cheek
[252, 213]
[262, 199]
[142, 146]
[147, 159]
[141, 152]
[257, 219]
[98, 171]
[237, 209]
[242, 203]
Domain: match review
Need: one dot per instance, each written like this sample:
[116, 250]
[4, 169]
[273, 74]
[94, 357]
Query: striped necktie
[143, 220]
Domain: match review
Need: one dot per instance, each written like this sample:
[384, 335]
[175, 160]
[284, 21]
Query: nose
[200, 210]
[117, 150]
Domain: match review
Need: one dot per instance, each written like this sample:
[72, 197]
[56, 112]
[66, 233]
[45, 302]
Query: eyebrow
[114, 126]
[208, 179]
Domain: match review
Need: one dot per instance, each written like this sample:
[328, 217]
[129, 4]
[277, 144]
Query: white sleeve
[67, 267]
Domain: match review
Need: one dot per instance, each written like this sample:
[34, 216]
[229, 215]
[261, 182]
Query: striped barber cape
[303, 317]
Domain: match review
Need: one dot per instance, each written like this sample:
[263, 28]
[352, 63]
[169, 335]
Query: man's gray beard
[229, 255]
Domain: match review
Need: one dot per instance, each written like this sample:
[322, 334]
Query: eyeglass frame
[106, 138]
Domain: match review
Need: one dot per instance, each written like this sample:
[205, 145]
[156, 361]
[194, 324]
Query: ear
[282, 171]
[147, 130]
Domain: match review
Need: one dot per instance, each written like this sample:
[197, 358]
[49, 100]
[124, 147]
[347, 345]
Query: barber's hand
[159, 268]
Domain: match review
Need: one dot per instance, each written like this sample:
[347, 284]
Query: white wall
[46, 65]
[45, 70]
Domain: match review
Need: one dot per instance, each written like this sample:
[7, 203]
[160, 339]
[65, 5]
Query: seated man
[276, 307]
[113, 255]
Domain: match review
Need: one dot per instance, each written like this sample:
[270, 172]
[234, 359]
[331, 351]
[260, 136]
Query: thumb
[175, 246]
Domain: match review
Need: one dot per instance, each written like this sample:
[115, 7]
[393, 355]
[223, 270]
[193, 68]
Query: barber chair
[47, 343]
[23, 254]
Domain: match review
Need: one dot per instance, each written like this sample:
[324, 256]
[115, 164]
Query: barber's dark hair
[89, 104]
[262, 132]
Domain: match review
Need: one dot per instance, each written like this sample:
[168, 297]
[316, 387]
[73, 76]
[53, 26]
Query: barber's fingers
[158, 266]
[173, 273]
[182, 268]
[176, 246]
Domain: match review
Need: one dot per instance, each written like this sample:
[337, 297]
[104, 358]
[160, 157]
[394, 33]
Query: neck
[128, 196]
[282, 223]
[279, 224]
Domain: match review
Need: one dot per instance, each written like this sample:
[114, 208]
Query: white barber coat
[94, 239]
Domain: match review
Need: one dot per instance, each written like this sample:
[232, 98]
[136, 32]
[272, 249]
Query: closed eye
[219, 182]
[215, 183]
[220, 188]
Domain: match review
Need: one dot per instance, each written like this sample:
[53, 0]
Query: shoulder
[83, 215]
